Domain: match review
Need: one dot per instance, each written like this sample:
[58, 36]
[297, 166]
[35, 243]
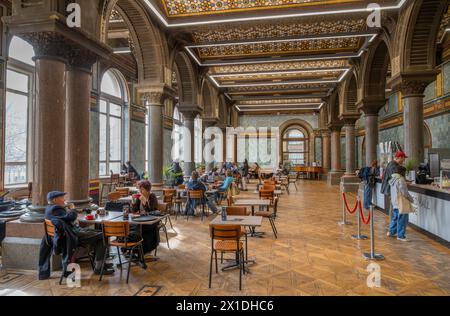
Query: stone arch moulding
[187, 81]
[122, 80]
[333, 107]
[417, 40]
[209, 100]
[349, 95]
[150, 48]
[307, 127]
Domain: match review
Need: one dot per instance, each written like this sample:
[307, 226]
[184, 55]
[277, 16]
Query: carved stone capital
[335, 127]
[47, 44]
[80, 58]
[154, 98]
[325, 133]
[371, 107]
[349, 119]
[413, 87]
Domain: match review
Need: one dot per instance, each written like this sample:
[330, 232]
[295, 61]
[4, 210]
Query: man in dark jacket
[399, 159]
[56, 210]
[196, 185]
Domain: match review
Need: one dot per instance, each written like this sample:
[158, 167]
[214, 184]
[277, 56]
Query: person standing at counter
[399, 159]
[369, 175]
[400, 216]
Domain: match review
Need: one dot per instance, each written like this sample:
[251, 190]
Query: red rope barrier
[366, 222]
[346, 204]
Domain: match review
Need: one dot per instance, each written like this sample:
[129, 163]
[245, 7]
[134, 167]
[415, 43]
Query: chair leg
[240, 271]
[129, 264]
[62, 274]
[167, 236]
[221, 258]
[210, 268]
[273, 227]
[103, 265]
[120, 259]
[170, 222]
[217, 265]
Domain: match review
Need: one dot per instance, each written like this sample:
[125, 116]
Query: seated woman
[225, 185]
[196, 185]
[146, 204]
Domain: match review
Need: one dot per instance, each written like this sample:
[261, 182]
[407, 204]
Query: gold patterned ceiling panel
[274, 87]
[324, 75]
[284, 66]
[335, 45]
[279, 101]
[262, 31]
[183, 8]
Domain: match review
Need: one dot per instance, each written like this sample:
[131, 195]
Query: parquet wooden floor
[312, 256]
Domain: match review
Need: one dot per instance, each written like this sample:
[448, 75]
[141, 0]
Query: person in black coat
[56, 210]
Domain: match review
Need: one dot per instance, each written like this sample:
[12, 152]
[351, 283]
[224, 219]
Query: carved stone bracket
[154, 98]
[47, 44]
[413, 87]
[349, 119]
[371, 107]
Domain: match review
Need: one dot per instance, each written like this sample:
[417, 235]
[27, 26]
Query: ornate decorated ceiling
[272, 54]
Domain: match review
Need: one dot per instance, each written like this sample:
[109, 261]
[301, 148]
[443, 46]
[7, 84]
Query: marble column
[326, 150]
[335, 174]
[371, 137]
[350, 140]
[79, 79]
[49, 133]
[189, 143]
[155, 105]
[413, 119]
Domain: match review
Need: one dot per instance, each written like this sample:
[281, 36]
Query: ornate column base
[334, 177]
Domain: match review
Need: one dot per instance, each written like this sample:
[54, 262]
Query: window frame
[285, 140]
[29, 71]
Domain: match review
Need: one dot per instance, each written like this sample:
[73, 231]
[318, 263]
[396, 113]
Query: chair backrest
[49, 228]
[268, 187]
[114, 196]
[115, 178]
[230, 200]
[237, 211]
[115, 229]
[163, 208]
[269, 182]
[182, 187]
[168, 198]
[195, 194]
[123, 191]
[266, 194]
[225, 232]
[169, 192]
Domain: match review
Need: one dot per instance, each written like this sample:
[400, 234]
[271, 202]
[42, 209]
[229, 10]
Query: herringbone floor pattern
[312, 256]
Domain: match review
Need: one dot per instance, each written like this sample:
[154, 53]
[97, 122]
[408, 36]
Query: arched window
[112, 102]
[295, 145]
[177, 128]
[19, 87]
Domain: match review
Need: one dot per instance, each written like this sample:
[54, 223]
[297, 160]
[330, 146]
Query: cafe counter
[433, 213]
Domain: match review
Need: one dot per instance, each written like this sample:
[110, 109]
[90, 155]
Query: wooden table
[252, 203]
[100, 218]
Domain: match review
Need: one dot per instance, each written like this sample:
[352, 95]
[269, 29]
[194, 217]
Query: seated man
[196, 185]
[56, 209]
[225, 185]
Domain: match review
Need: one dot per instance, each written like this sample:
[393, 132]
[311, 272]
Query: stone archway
[349, 96]
[150, 47]
[187, 81]
[209, 101]
[310, 135]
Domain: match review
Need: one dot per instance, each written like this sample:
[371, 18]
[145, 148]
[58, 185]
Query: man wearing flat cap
[57, 209]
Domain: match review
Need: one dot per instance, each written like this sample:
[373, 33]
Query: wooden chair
[49, 229]
[269, 182]
[271, 216]
[163, 208]
[266, 195]
[292, 179]
[124, 192]
[239, 211]
[169, 197]
[113, 183]
[121, 230]
[179, 201]
[226, 239]
[114, 196]
[284, 182]
[268, 187]
[199, 199]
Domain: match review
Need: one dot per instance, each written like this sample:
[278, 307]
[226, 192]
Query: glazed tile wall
[94, 145]
[319, 150]
[440, 130]
[137, 142]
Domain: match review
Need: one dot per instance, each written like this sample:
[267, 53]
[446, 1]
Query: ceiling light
[296, 14]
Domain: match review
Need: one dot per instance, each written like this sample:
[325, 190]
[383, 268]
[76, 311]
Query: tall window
[19, 85]
[295, 146]
[111, 114]
[177, 128]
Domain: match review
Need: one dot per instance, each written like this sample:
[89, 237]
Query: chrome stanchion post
[372, 255]
[344, 215]
[358, 236]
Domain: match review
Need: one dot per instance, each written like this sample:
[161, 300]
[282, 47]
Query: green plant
[411, 164]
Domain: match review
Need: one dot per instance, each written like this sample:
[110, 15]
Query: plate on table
[148, 218]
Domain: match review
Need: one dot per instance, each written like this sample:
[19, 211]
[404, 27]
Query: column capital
[371, 106]
[79, 58]
[413, 83]
[154, 98]
[325, 132]
[350, 119]
[335, 127]
[47, 44]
